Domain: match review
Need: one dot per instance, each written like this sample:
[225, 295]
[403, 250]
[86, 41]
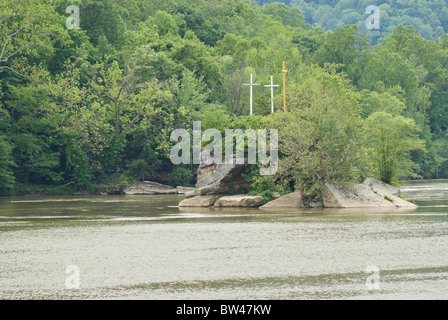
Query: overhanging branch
[11, 69]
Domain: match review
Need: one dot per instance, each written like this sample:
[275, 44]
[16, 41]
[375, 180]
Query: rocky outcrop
[184, 190]
[276, 195]
[370, 194]
[390, 192]
[190, 194]
[292, 200]
[239, 201]
[316, 205]
[351, 195]
[221, 179]
[216, 182]
[383, 187]
[149, 187]
[200, 201]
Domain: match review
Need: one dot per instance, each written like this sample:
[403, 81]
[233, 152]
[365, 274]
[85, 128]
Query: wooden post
[284, 85]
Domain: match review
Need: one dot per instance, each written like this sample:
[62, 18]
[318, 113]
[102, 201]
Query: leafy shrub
[6, 163]
[263, 186]
[180, 177]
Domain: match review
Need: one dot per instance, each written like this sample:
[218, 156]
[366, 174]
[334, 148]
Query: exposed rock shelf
[149, 187]
[370, 194]
[292, 200]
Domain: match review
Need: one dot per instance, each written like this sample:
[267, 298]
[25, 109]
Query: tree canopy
[96, 105]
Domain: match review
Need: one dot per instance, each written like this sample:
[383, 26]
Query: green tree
[27, 31]
[321, 137]
[180, 176]
[35, 131]
[101, 19]
[7, 179]
[289, 17]
[165, 24]
[345, 48]
[373, 101]
[390, 139]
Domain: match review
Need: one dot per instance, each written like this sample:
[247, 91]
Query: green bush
[181, 177]
[263, 186]
[6, 163]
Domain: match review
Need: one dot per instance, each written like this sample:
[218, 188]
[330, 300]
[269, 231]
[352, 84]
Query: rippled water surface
[145, 247]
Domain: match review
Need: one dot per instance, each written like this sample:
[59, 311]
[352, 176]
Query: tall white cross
[251, 84]
[272, 86]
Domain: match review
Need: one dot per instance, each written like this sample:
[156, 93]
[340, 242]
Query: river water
[145, 247]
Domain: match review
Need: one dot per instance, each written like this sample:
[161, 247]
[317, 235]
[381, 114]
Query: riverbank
[21, 189]
[129, 188]
[111, 189]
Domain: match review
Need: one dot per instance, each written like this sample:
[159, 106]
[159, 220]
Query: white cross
[272, 86]
[251, 84]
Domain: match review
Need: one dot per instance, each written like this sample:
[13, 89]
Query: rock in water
[200, 201]
[149, 187]
[184, 190]
[386, 190]
[239, 201]
[190, 194]
[292, 200]
[221, 179]
[370, 194]
[352, 195]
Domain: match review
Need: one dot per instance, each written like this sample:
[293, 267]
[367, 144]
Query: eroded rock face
[149, 187]
[370, 194]
[184, 190]
[386, 190]
[221, 179]
[200, 201]
[239, 201]
[190, 194]
[382, 187]
[352, 195]
[292, 200]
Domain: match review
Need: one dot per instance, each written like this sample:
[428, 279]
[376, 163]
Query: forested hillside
[429, 18]
[83, 108]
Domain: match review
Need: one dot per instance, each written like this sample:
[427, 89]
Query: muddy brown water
[145, 247]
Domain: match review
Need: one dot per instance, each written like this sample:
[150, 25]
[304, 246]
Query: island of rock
[222, 185]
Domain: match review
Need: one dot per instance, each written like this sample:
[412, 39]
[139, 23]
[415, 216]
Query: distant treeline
[429, 18]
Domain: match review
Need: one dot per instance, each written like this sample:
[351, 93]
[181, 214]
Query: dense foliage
[429, 18]
[96, 105]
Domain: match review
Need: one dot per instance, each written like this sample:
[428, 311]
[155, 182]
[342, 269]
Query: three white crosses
[252, 85]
